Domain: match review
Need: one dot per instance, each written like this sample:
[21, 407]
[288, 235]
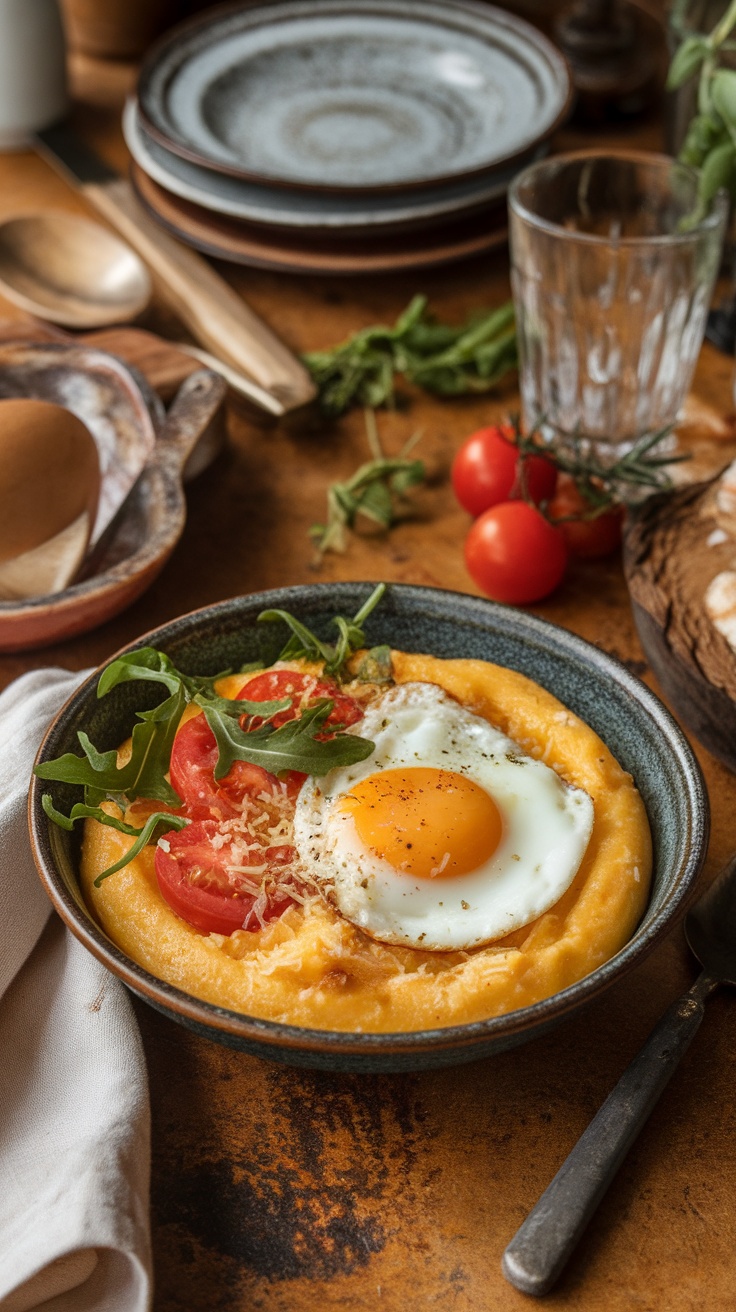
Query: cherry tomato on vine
[514, 554]
[591, 538]
[485, 471]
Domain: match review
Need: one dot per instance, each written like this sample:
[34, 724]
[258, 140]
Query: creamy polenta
[313, 968]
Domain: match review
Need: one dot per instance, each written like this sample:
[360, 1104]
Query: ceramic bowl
[622, 710]
[366, 96]
[145, 452]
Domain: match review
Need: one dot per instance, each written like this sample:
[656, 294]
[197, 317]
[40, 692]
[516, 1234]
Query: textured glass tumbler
[612, 280]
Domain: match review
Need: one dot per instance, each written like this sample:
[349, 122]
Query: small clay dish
[144, 453]
[622, 710]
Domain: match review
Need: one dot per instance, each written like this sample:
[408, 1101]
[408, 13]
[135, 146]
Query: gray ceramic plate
[358, 96]
[312, 211]
[630, 719]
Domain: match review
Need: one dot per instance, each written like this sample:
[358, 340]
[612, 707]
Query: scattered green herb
[710, 144]
[295, 745]
[449, 361]
[376, 490]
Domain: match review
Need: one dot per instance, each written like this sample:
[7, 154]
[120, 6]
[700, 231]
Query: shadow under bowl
[628, 717]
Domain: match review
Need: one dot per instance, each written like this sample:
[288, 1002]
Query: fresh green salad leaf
[449, 361]
[305, 645]
[158, 823]
[295, 745]
[144, 775]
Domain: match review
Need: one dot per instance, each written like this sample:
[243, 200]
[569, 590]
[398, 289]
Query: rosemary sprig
[446, 360]
[605, 485]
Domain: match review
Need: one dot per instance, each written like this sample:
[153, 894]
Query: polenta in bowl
[362, 857]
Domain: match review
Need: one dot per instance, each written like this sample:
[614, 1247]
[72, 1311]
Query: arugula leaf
[159, 820]
[149, 663]
[81, 812]
[438, 357]
[305, 644]
[291, 747]
[144, 775]
[375, 666]
[145, 663]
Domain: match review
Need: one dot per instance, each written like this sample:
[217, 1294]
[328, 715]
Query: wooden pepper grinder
[616, 52]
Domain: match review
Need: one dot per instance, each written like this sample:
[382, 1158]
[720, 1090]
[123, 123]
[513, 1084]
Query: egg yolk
[425, 822]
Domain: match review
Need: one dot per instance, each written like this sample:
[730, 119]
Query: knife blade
[208, 306]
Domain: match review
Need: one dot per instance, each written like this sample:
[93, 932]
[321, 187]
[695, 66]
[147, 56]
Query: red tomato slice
[192, 770]
[193, 879]
[304, 689]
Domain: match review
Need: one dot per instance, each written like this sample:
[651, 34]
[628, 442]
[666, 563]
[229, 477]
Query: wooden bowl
[676, 547]
[622, 710]
[143, 457]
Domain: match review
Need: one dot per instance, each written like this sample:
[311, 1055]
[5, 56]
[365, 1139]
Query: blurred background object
[616, 53]
[32, 69]
[688, 18]
[117, 29]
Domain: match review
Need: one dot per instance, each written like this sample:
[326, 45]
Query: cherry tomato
[192, 877]
[514, 554]
[585, 537]
[485, 471]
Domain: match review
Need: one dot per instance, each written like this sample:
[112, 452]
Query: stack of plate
[335, 136]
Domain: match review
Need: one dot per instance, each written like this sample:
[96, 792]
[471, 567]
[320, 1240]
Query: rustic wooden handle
[209, 307]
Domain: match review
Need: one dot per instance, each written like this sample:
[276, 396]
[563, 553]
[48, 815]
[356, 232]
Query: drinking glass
[612, 273]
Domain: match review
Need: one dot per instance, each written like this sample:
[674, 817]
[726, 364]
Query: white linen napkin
[74, 1117]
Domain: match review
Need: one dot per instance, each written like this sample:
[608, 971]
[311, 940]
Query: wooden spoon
[71, 271]
[74, 271]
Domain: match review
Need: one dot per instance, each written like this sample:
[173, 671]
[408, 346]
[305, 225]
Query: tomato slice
[192, 874]
[192, 770]
[304, 689]
[193, 878]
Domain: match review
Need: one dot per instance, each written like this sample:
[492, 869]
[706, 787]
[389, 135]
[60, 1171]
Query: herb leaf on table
[446, 360]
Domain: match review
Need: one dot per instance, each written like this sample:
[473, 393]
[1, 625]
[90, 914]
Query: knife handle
[542, 1245]
[205, 303]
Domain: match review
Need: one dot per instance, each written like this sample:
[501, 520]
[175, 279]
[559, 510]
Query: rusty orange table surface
[299, 1192]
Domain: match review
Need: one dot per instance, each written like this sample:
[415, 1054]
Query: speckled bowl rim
[279, 1040]
[484, 14]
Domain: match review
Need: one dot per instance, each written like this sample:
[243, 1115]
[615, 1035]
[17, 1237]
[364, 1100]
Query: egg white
[547, 825]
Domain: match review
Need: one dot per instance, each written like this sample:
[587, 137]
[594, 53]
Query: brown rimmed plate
[349, 97]
[619, 707]
[261, 248]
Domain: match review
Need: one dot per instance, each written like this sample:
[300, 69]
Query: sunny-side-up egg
[448, 836]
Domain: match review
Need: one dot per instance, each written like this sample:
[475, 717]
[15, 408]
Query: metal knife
[211, 310]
